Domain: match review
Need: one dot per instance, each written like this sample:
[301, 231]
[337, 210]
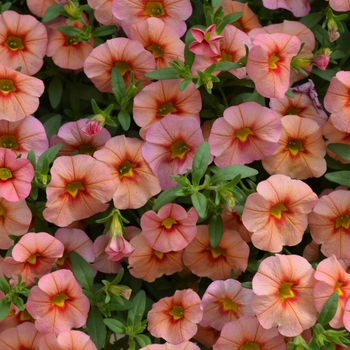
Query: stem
[224, 97]
[287, 251]
[343, 60]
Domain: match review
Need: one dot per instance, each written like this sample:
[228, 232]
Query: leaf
[183, 85]
[327, 74]
[229, 19]
[52, 12]
[82, 271]
[226, 65]
[143, 340]
[312, 19]
[4, 308]
[340, 177]
[164, 198]
[329, 309]
[114, 325]
[216, 229]
[200, 203]
[289, 93]
[55, 91]
[96, 328]
[136, 313]
[124, 120]
[104, 30]
[231, 171]
[52, 125]
[118, 81]
[216, 3]
[340, 149]
[51, 153]
[189, 56]
[163, 74]
[31, 157]
[70, 30]
[200, 162]
[4, 286]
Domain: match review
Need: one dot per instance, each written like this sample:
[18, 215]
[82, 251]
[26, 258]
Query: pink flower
[206, 43]
[103, 12]
[92, 128]
[182, 346]
[299, 8]
[339, 5]
[321, 61]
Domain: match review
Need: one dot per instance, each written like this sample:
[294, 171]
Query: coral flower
[23, 136]
[103, 12]
[33, 256]
[207, 336]
[38, 8]
[269, 61]
[15, 176]
[247, 334]
[337, 100]
[225, 301]
[182, 346]
[125, 54]
[299, 8]
[284, 286]
[79, 187]
[92, 128]
[172, 12]
[148, 264]
[216, 263]
[72, 340]
[277, 214]
[311, 251]
[23, 42]
[206, 43]
[58, 304]
[133, 179]
[175, 318]
[172, 229]
[247, 132]
[301, 150]
[162, 98]
[330, 224]
[233, 221]
[19, 94]
[339, 5]
[73, 139]
[171, 144]
[159, 39]
[15, 219]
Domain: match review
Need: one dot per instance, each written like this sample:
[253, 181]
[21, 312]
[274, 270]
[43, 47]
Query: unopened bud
[120, 291]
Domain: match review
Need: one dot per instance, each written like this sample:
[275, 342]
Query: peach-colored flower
[248, 334]
[284, 294]
[216, 263]
[206, 42]
[312, 251]
[277, 214]
[175, 318]
[301, 150]
[207, 336]
[23, 42]
[33, 256]
[58, 304]
[118, 247]
[340, 5]
[233, 221]
[172, 229]
[125, 54]
[19, 94]
[15, 176]
[15, 219]
[182, 346]
[225, 301]
[79, 188]
[299, 8]
[148, 264]
[162, 98]
[159, 39]
[247, 132]
[172, 12]
[38, 8]
[103, 12]
[133, 179]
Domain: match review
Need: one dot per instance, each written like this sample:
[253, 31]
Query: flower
[284, 294]
[233, 220]
[182, 346]
[339, 5]
[38, 8]
[205, 42]
[103, 12]
[175, 318]
[58, 304]
[92, 128]
[299, 8]
[207, 336]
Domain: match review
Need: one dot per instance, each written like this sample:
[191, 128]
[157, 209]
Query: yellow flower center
[272, 61]
[207, 37]
[158, 254]
[123, 67]
[285, 291]
[25, 316]
[8, 141]
[343, 221]
[14, 43]
[154, 9]
[224, 57]
[2, 211]
[125, 169]
[179, 149]
[60, 261]
[216, 252]
[250, 346]
[166, 109]
[86, 149]
[177, 312]
[32, 259]
[337, 288]
[168, 223]
[59, 299]
[74, 187]
[156, 50]
[276, 210]
[72, 40]
[243, 134]
[229, 305]
[292, 111]
[294, 147]
[6, 86]
[5, 174]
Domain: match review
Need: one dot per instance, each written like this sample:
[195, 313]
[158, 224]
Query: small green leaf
[312, 19]
[4, 286]
[52, 125]
[183, 85]
[118, 81]
[248, 285]
[55, 91]
[289, 93]
[6, 6]
[200, 162]
[329, 309]
[82, 271]
[52, 12]
[69, 30]
[164, 198]
[340, 177]
[200, 203]
[229, 19]
[163, 74]
[216, 3]
[31, 157]
[189, 56]
[231, 171]
[124, 120]
[114, 325]
[51, 153]
[136, 313]
[143, 340]
[340, 149]
[4, 308]
[96, 328]
[216, 230]
[226, 65]
[104, 31]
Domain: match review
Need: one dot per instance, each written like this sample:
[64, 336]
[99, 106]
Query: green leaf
[327, 74]
[51, 153]
[226, 65]
[52, 12]
[189, 56]
[164, 198]
[200, 203]
[248, 285]
[124, 120]
[231, 171]
[200, 162]
[96, 328]
[118, 81]
[216, 3]
[163, 74]
[183, 85]
[143, 340]
[104, 30]
[52, 125]
[6, 6]
[229, 19]
[114, 325]
[340, 177]
[312, 19]
[55, 91]
[216, 229]
[82, 271]
[4, 308]
[329, 309]
[31, 157]
[4, 286]
[289, 93]
[340, 149]
[70, 30]
[136, 313]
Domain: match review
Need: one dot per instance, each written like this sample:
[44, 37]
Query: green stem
[344, 59]
[224, 97]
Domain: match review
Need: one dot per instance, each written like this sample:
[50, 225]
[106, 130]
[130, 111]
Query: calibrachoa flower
[225, 301]
[19, 94]
[216, 263]
[233, 220]
[162, 98]
[92, 128]
[206, 42]
[299, 8]
[58, 304]
[23, 42]
[170, 147]
[38, 8]
[125, 54]
[133, 179]
[269, 61]
[284, 294]
[172, 12]
[277, 214]
[159, 39]
[182, 346]
[339, 5]
[247, 132]
[207, 336]
[311, 251]
[301, 150]
[79, 187]
[172, 229]
[33, 256]
[103, 12]
[15, 219]
[175, 318]
[15, 176]
[247, 334]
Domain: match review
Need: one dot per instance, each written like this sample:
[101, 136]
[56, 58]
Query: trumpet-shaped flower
[299, 8]
[233, 221]
[182, 346]
[206, 42]
[284, 294]
[38, 8]
[103, 12]
[207, 336]
[339, 5]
